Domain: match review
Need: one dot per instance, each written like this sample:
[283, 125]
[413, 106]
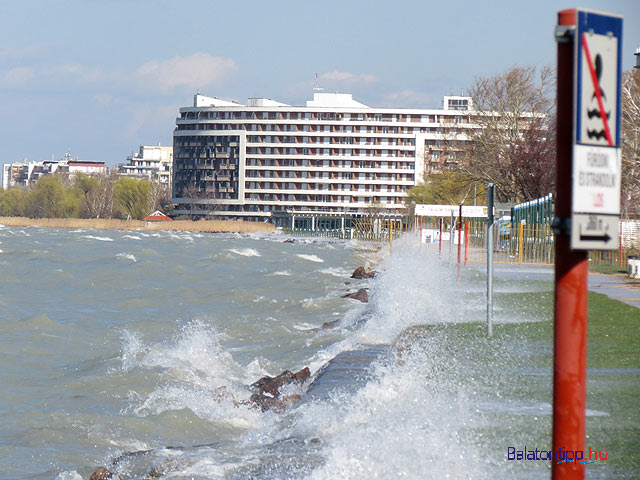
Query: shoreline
[202, 226]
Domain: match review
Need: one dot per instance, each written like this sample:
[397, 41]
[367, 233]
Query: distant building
[153, 162]
[334, 155]
[23, 174]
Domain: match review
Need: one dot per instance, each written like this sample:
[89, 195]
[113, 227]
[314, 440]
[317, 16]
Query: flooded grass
[512, 375]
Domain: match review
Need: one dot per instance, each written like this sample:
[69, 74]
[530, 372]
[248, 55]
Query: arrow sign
[595, 238]
[594, 232]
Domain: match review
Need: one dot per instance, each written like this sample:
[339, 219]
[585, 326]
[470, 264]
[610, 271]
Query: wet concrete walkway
[616, 286]
[619, 287]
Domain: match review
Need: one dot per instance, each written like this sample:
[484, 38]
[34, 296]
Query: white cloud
[17, 77]
[80, 74]
[196, 71]
[409, 98]
[199, 70]
[348, 77]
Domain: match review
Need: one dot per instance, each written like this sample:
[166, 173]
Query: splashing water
[172, 368]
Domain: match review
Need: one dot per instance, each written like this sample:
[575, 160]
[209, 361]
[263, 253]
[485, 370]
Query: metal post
[490, 259]
[571, 276]
[440, 238]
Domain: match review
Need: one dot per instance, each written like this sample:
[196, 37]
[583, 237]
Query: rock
[362, 272]
[277, 404]
[333, 324]
[268, 395]
[289, 240]
[103, 474]
[272, 384]
[361, 295]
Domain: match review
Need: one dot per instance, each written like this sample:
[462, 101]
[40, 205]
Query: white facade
[154, 162]
[23, 174]
[333, 155]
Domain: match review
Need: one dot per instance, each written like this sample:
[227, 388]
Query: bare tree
[630, 139]
[160, 195]
[515, 143]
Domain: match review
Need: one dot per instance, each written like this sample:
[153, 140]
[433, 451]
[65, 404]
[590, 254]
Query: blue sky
[99, 78]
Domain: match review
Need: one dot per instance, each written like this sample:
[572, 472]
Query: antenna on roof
[316, 88]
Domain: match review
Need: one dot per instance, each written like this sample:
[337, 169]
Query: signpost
[587, 204]
[596, 151]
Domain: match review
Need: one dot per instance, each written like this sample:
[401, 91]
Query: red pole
[571, 276]
[459, 232]
[466, 241]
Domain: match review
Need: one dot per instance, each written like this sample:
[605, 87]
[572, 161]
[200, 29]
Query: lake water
[114, 347]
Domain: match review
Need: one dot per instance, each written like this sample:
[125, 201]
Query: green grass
[515, 358]
[614, 334]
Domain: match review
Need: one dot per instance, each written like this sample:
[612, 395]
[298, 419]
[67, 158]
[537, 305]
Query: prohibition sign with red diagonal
[596, 87]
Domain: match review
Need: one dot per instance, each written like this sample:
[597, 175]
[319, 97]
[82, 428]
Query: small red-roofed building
[157, 216]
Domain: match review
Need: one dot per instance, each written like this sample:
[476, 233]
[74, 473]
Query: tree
[452, 187]
[12, 202]
[160, 195]
[49, 199]
[132, 198]
[97, 195]
[514, 148]
[630, 139]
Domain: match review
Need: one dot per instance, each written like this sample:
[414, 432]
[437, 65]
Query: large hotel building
[333, 156]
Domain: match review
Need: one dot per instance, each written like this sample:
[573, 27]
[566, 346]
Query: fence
[531, 244]
[373, 228]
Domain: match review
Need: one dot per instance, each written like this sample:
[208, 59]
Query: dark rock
[103, 474]
[272, 385]
[277, 403]
[289, 240]
[333, 324]
[268, 396]
[362, 272]
[361, 295]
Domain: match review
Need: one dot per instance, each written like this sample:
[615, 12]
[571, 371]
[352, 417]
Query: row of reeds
[205, 226]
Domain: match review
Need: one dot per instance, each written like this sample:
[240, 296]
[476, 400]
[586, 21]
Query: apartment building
[153, 162]
[23, 174]
[335, 155]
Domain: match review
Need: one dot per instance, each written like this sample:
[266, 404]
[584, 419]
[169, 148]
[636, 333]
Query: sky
[99, 78]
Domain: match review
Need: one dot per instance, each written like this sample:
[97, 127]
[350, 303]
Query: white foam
[282, 273]
[126, 256]
[311, 258]
[133, 237]
[69, 475]
[93, 237]
[335, 271]
[245, 252]
[191, 369]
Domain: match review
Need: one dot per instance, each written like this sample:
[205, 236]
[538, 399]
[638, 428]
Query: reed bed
[205, 226]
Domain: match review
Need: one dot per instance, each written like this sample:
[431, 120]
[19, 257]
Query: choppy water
[118, 342]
